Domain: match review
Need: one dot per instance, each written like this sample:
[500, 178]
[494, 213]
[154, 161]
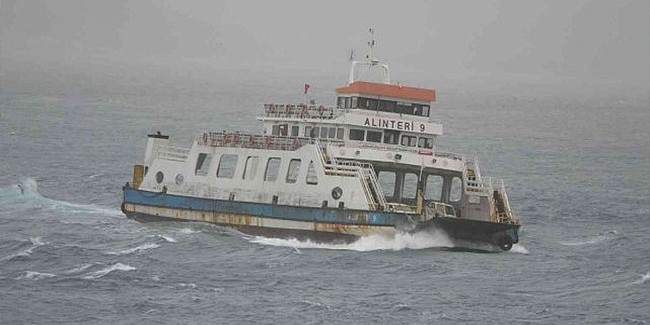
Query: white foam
[31, 275]
[36, 242]
[609, 235]
[107, 270]
[400, 241]
[644, 278]
[188, 231]
[79, 268]
[519, 249]
[168, 239]
[135, 249]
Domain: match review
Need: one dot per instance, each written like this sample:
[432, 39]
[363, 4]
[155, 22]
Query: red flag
[307, 88]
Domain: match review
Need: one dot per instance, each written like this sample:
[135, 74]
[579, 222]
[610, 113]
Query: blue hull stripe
[312, 214]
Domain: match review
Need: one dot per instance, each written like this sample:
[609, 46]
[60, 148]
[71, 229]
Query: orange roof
[396, 91]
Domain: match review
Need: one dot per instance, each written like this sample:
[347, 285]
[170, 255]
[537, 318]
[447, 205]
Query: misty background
[578, 39]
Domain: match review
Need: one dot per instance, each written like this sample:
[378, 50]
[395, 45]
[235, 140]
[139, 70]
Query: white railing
[301, 111]
[256, 141]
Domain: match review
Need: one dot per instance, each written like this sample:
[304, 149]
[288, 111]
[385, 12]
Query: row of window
[432, 186]
[228, 162]
[384, 105]
[391, 137]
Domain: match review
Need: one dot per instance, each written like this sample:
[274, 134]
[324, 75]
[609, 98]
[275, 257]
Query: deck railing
[301, 111]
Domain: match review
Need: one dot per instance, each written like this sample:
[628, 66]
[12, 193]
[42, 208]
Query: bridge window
[387, 105]
[373, 104]
[331, 133]
[404, 108]
[356, 134]
[426, 143]
[456, 189]
[391, 137]
[387, 183]
[312, 178]
[272, 167]
[354, 102]
[202, 164]
[410, 186]
[251, 168]
[373, 136]
[227, 165]
[408, 140]
[433, 188]
[294, 169]
[364, 103]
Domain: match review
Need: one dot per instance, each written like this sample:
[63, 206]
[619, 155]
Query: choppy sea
[575, 156]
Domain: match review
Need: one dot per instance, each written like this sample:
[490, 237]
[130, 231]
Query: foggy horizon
[576, 39]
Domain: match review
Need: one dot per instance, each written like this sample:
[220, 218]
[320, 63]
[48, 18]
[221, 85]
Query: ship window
[347, 102]
[275, 130]
[284, 129]
[373, 104]
[387, 105]
[312, 178]
[373, 136]
[456, 188]
[418, 109]
[307, 131]
[426, 143]
[323, 132]
[387, 183]
[341, 102]
[332, 133]
[272, 167]
[356, 134]
[363, 102]
[227, 165]
[294, 169]
[251, 168]
[410, 186]
[339, 133]
[159, 177]
[295, 130]
[202, 164]
[315, 132]
[391, 137]
[433, 188]
[425, 110]
[354, 103]
[408, 140]
[404, 108]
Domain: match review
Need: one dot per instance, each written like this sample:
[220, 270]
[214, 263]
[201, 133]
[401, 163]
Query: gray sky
[597, 39]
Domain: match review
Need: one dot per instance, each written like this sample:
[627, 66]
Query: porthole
[159, 177]
[337, 192]
[179, 179]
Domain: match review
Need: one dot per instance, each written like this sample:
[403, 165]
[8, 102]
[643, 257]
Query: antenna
[369, 61]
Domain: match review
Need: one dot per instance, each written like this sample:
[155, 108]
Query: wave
[31, 275]
[79, 268]
[519, 249]
[168, 238]
[135, 249]
[25, 195]
[605, 236]
[107, 270]
[400, 241]
[644, 278]
[36, 242]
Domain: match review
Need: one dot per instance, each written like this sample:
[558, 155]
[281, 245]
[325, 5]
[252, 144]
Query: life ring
[321, 109]
[205, 138]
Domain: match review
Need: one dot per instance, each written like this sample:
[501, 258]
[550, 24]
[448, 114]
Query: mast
[370, 61]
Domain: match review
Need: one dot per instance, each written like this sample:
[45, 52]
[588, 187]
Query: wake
[25, 196]
[400, 241]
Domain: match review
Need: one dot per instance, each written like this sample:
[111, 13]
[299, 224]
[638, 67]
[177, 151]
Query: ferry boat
[368, 165]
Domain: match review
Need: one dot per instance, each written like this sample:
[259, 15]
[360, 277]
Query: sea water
[575, 156]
